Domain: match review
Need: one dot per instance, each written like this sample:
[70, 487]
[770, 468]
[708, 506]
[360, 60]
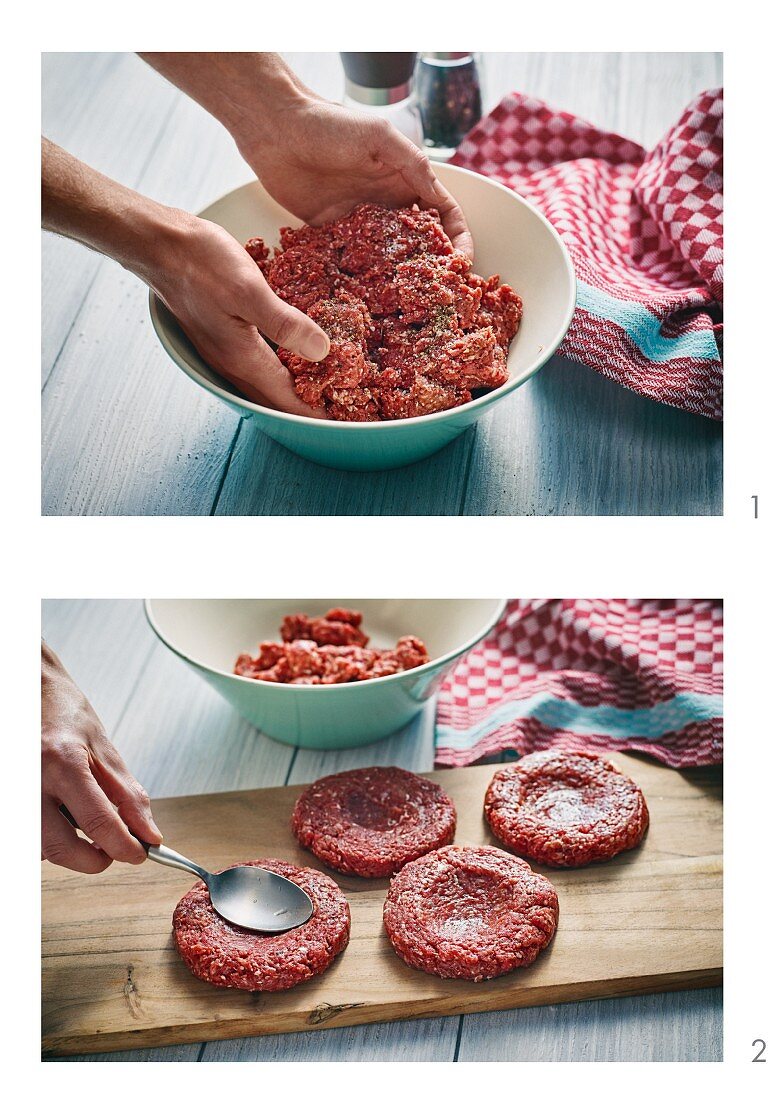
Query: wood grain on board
[650, 920]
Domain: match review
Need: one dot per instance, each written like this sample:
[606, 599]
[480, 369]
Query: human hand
[224, 304]
[82, 770]
[205, 277]
[319, 160]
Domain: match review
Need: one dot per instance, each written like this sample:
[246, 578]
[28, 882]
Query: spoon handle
[158, 853]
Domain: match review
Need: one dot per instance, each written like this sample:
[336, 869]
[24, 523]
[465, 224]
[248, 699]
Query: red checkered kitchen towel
[595, 674]
[644, 230]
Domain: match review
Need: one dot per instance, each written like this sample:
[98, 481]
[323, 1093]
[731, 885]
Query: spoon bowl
[250, 897]
[261, 900]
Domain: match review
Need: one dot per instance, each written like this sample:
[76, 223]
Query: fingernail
[316, 346]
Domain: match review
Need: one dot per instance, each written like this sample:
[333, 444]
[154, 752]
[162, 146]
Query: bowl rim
[250, 408]
[500, 607]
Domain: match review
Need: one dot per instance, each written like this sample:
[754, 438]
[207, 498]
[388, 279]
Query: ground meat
[412, 330]
[223, 954]
[331, 649]
[565, 809]
[337, 627]
[372, 821]
[471, 913]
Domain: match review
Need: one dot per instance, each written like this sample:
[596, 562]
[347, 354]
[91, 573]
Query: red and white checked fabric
[645, 232]
[639, 657]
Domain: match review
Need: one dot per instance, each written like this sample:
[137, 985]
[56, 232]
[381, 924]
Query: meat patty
[471, 913]
[372, 821]
[226, 955]
[565, 809]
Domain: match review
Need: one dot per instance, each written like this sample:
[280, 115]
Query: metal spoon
[248, 896]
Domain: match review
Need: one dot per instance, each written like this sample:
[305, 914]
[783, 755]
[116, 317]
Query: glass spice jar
[449, 96]
[381, 84]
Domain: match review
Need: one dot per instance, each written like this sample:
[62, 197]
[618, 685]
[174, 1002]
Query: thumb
[288, 327]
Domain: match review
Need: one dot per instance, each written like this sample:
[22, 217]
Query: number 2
[758, 1056]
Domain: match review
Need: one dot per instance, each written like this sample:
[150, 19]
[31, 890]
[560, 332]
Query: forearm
[247, 92]
[81, 203]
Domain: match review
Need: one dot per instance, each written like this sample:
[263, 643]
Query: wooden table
[126, 433]
[179, 737]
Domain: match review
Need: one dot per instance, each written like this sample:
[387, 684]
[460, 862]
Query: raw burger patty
[470, 913]
[372, 821]
[565, 809]
[223, 954]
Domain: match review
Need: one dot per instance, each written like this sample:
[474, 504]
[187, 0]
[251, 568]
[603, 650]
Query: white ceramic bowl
[512, 239]
[210, 634]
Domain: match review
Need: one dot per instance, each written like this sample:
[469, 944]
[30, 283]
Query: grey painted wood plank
[104, 644]
[406, 1041]
[125, 432]
[571, 442]
[267, 480]
[182, 1053]
[664, 1027]
[108, 110]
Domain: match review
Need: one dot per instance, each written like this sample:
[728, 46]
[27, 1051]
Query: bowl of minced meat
[324, 674]
[422, 342]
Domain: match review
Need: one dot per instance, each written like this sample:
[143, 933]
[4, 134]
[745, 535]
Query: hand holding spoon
[251, 897]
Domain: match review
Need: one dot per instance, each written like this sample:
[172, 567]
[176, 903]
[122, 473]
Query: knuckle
[55, 852]
[137, 794]
[63, 756]
[283, 328]
[98, 824]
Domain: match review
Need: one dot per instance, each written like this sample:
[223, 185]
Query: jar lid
[445, 56]
[378, 70]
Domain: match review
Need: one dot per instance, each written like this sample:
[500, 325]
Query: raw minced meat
[372, 821]
[223, 954]
[412, 329]
[565, 809]
[471, 913]
[330, 649]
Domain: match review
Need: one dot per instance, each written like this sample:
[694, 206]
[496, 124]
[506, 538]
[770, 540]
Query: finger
[131, 800]
[249, 363]
[417, 171]
[97, 817]
[288, 327]
[60, 843]
[454, 222]
[265, 380]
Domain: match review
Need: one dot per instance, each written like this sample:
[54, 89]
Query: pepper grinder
[449, 95]
[382, 84]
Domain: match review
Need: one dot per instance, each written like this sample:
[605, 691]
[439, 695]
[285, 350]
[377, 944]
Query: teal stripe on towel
[649, 724]
[645, 330]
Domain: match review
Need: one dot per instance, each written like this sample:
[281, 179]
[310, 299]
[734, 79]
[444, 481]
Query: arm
[205, 277]
[82, 770]
[317, 159]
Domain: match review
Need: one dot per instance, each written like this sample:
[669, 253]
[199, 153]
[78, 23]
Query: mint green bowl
[512, 239]
[209, 635]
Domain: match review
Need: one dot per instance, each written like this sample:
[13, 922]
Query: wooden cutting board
[649, 920]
